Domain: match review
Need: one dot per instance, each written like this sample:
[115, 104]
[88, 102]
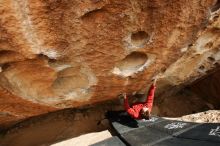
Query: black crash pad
[185, 142]
[144, 136]
[123, 123]
[173, 127]
[151, 121]
[163, 132]
[113, 141]
[205, 132]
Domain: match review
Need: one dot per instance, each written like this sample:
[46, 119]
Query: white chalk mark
[175, 125]
[215, 132]
[152, 119]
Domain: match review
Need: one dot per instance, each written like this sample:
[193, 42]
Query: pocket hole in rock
[133, 63]
[215, 17]
[202, 67]
[92, 13]
[216, 64]
[140, 38]
[45, 57]
[71, 82]
[5, 66]
[7, 56]
[211, 59]
[74, 83]
[216, 6]
[70, 79]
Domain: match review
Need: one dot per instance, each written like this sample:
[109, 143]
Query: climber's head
[145, 113]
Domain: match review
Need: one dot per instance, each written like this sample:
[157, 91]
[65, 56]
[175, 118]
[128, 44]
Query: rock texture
[208, 88]
[57, 54]
[200, 59]
[51, 128]
[210, 116]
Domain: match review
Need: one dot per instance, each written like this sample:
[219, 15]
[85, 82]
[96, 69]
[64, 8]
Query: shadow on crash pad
[160, 132]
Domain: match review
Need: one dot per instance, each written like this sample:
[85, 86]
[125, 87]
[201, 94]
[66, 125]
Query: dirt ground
[60, 130]
[211, 116]
[86, 139]
[86, 126]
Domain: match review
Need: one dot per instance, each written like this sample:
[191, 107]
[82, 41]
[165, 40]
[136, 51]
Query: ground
[211, 116]
[58, 130]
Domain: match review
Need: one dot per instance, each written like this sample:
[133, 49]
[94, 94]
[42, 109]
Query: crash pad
[159, 131]
[185, 142]
[113, 141]
[204, 132]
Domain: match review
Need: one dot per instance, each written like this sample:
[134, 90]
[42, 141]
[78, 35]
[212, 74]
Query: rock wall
[56, 54]
[209, 89]
[201, 58]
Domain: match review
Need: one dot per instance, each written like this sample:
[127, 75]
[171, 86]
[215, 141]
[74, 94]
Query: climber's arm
[129, 110]
[150, 97]
[126, 104]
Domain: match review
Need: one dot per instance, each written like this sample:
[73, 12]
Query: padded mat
[113, 141]
[163, 132]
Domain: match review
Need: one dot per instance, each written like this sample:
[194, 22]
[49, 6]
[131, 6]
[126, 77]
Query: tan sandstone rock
[57, 54]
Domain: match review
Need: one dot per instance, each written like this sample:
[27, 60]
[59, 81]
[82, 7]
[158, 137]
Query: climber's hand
[124, 95]
[155, 80]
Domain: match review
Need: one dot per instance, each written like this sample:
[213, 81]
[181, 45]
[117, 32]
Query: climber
[141, 110]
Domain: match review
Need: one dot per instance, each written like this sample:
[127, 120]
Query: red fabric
[134, 110]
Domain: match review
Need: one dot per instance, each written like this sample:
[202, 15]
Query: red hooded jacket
[134, 110]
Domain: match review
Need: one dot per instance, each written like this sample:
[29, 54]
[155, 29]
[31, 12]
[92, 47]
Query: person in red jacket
[141, 110]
